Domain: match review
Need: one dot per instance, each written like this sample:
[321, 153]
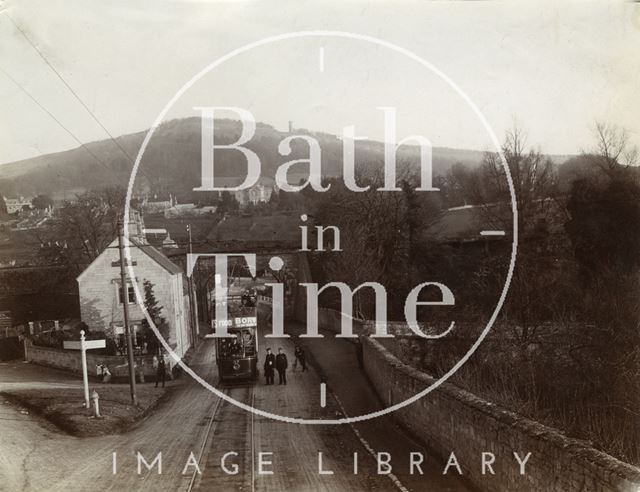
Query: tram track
[205, 439]
[252, 435]
[224, 438]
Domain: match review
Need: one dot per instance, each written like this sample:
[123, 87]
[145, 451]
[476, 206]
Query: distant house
[157, 204]
[32, 219]
[102, 294]
[189, 210]
[160, 238]
[16, 204]
[259, 193]
[465, 226]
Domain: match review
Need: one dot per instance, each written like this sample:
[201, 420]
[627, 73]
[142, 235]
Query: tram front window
[230, 348]
[249, 343]
[243, 344]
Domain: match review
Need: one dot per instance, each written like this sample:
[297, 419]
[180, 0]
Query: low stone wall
[330, 319]
[453, 420]
[70, 360]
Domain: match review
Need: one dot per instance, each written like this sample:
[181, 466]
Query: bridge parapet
[450, 419]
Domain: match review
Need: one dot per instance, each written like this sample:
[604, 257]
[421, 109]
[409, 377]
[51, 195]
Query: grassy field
[64, 408]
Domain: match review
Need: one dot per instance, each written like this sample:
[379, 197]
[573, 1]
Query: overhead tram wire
[75, 94]
[53, 117]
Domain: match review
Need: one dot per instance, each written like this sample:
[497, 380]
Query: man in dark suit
[301, 357]
[269, 366]
[281, 366]
[161, 369]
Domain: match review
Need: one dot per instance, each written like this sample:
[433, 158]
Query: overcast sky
[554, 68]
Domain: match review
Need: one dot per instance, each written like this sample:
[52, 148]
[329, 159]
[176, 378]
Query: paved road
[36, 457]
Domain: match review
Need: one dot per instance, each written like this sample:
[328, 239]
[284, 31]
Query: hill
[173, 162]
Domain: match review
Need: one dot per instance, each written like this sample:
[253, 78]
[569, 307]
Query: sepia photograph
[342, 245]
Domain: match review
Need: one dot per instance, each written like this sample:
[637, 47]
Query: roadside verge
[64, 407]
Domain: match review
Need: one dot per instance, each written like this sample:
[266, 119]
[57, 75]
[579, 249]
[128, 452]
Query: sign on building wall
[5, 319]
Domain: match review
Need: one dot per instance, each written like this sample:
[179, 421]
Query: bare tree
[463, 186]
[380, 237]
[355, 264]
[83, 228]
[533, 179]
[613, 149]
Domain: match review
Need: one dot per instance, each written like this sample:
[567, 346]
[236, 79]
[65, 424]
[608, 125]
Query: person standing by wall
[269, 366]
[300, 357]
[281, 366]
[161, 370]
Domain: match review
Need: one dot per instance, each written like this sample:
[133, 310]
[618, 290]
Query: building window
[131, 295]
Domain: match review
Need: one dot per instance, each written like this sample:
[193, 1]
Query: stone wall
[329, 319]
[70, 360]
[453, 420]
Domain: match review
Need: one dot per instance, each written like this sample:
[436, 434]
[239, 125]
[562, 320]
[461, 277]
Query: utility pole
[125, 304]
[192, 300]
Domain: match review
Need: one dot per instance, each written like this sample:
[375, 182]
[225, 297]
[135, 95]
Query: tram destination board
[249, 321]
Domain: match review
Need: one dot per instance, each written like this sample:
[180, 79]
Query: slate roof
[459, 223]
[158, 257]
[146, 248]
[462, 224]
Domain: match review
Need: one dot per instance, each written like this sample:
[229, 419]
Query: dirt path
[35, 457]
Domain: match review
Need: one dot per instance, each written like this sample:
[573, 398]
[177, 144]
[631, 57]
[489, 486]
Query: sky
[552, 68]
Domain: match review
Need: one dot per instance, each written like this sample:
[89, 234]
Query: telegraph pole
[125, 304]
[192, 301]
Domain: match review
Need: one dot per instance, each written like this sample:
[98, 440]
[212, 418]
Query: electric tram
[237, 356]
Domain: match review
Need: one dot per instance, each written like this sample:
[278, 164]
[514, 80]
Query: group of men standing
[280, 363]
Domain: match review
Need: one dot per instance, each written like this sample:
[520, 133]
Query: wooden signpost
[84, 345]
